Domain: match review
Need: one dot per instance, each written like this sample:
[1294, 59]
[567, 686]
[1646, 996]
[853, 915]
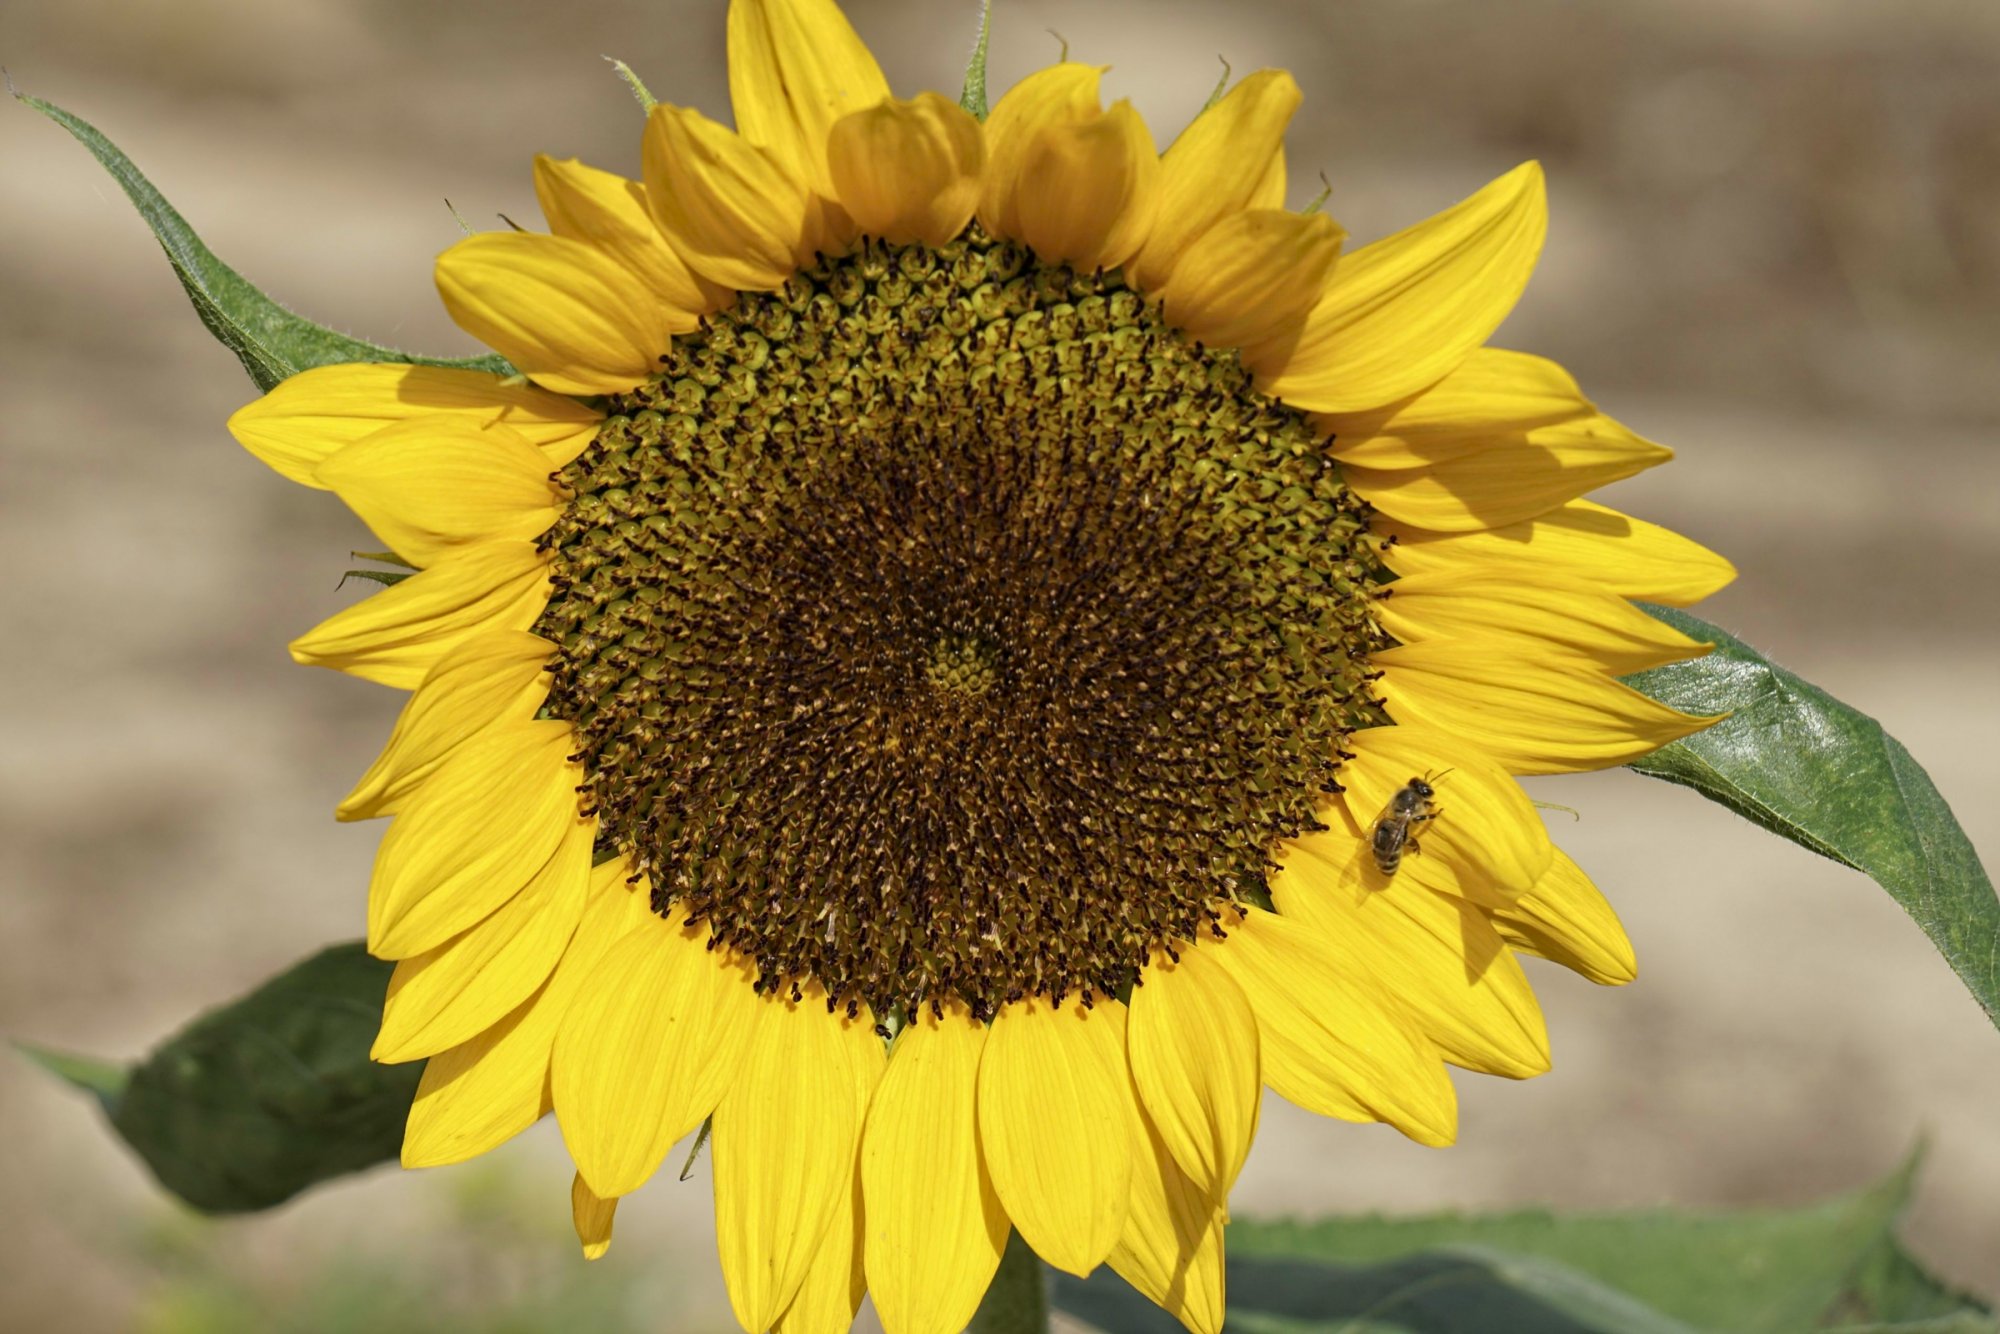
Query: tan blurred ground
[1774, 246]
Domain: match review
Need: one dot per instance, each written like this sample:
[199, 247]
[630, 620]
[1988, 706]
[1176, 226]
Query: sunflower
[909, 671]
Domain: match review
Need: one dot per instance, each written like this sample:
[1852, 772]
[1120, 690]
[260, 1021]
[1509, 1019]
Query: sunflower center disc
[945, 626]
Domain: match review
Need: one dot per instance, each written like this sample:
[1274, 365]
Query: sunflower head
[944, 583]
[910, 672]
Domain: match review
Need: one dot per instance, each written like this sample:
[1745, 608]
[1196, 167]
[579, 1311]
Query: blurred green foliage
[1837, 1265]
[502, 1262]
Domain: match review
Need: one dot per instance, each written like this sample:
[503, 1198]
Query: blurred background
[1773, 247]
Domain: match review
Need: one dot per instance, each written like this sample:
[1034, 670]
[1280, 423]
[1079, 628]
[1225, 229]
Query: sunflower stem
[1017, 1301]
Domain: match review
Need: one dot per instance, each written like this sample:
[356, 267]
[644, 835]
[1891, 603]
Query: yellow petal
[1436, 954]
[1171, 1248]
[1621, 554]
[737, 214]
[1054, 1098]
[1063, 94]
[1089, 190]
[603, 209]
[315, 414]
[835, 1281]
[934, 1226]
[1270, 191]
[787, 1140]
[593, 1218]
[1509, 477]
[396, 636]
[1251, 277]
[1329, 1040]
[1491, 394]
[1191, 1039]
[448, 995]
[1552, 612]
[1484, 835]
[482, 682]
[478, 830]
[1533, 713]
[434, 485]
[573, 319]
[795, 68]
[1565, 920]
[484, 1092]
[1400, 314]
[1221, 164]
[908, 171]
[648, 1050]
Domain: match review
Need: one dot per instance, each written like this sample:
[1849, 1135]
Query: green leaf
[1836, 1265]
[1463, 1290]
[270, 341]
[1805, 766]
[973, 96]
[1890, 1289]
[256, 1101]
[101, 1079]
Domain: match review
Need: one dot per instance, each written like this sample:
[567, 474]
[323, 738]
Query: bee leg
[1411, 845]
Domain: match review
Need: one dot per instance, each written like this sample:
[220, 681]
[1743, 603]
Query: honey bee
[1390, 833]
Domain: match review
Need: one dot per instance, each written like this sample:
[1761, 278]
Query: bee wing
[1387, 814]
[1389, 830]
